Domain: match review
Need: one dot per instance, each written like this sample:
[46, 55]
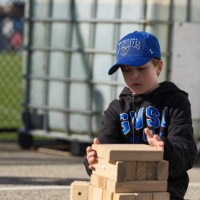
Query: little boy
[149, 112]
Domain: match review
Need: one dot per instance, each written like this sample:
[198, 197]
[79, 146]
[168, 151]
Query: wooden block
[136, 186]
[79, 190]
[127, 152]
[96, 193]
[152, 170]
[108, 169]
[98, 181]
[90, 195]
[94, 180]
[107, 195]
[130, 171]
[142, 196]
[102, 182]
[163, 170]
[118, 171]
[141, 171]
[132, 196]
[161, 196]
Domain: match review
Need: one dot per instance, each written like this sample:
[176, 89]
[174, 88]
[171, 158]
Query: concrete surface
[47, 174]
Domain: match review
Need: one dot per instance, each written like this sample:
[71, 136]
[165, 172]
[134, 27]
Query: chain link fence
[11, 37]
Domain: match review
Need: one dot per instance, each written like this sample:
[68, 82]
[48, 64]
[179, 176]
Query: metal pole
[169, 47]
[46, 95]
[144, 13]
[69, 63]
[116, 36]
[91, 61]
[188, 7]
[28, 63]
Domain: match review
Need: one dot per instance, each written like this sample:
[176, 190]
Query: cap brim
[132, 61]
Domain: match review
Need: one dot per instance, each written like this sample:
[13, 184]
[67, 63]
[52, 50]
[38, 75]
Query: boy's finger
[148, 133]
[88, 149]
[157, 137]
[91, 167]
[96, 141]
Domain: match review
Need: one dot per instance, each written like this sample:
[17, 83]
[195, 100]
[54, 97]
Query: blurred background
[55, 54]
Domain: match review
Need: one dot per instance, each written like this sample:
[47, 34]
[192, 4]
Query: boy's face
[142, 79]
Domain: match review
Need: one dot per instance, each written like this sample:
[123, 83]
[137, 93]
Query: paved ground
[37, 174]
[47, 175]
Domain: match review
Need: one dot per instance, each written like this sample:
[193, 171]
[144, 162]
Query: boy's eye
[141, 68]
[125, 69]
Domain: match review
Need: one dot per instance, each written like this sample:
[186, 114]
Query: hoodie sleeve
[180, 146]
[111, 129]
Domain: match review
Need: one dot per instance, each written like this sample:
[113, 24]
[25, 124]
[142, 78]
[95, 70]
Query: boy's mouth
[137, 84]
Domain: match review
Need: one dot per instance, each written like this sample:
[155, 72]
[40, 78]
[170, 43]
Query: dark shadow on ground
[33, 181]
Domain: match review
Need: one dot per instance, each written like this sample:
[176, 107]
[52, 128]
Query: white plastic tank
[81, 51]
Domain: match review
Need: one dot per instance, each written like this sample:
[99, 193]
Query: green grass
[12, 136]
[10, 90]
[8, 136]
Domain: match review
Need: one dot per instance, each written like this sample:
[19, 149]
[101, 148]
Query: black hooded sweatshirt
[166, 111]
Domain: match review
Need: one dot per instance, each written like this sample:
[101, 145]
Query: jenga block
[79, 190]
[107, 195]
[130, 171]
[90, 195]
[98, 181]
[95, 193]
[141, 171]
[94, 180]
[162, 172]
[152, 170]
[132, 196]
[102, 182]
[161, 196]
[136, 186]
[127, 152]
[118, 171]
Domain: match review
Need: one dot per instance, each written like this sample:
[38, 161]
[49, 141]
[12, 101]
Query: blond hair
[155, 61]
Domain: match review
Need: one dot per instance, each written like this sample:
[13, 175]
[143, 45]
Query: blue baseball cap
[136, 49]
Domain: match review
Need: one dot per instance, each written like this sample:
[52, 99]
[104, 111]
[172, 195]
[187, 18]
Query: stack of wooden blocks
[125, 172]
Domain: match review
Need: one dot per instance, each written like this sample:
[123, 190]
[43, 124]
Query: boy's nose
[134, 74]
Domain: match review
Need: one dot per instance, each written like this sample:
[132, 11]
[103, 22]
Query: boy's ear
[160, 67]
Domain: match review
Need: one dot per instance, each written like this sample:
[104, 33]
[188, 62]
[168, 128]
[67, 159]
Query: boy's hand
[154, 140]
[91, 154]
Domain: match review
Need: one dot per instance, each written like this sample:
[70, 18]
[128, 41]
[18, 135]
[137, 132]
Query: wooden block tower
[125, 172]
